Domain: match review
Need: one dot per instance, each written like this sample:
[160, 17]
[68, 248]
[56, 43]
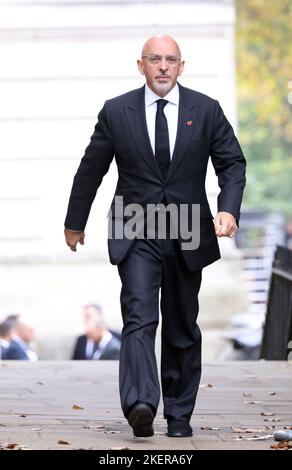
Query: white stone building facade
[60, 60]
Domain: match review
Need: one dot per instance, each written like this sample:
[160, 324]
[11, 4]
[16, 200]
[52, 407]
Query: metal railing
[277, 335]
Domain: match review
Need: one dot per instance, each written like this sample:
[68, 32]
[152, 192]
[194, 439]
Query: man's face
[94, 330]
[25, 332]
[161, 64]
[90, 314]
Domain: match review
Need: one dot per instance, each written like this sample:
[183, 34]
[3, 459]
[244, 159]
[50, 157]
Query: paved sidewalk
[37, 407]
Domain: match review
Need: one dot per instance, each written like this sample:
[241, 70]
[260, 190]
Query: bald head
[161, 63]
[158, 42]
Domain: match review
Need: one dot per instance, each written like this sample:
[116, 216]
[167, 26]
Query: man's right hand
[72, 238]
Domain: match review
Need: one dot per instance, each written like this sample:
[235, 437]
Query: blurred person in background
[6, 334]
[98, 342]
[19, 347]
[93, 311]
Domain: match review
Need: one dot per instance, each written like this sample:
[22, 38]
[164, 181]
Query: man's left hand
[225, 224]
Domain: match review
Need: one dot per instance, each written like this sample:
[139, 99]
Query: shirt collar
[4, 343]
[151, 97]
[21, 343]
[105, 340]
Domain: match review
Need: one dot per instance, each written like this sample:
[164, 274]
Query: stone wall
[60, 60]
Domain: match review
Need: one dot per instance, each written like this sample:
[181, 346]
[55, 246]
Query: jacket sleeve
[229, 164]
[93, 166]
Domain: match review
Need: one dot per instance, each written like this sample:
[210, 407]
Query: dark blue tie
[162, 152]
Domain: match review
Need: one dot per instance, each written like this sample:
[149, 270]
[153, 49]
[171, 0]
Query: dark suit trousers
[151, 265]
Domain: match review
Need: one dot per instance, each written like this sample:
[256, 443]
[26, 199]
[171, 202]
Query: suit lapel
[187, 118]
[136, 117]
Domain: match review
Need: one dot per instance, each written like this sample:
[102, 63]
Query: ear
[140, 66]
[181, 67]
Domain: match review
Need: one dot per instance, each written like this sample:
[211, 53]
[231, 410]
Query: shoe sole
[141, 422]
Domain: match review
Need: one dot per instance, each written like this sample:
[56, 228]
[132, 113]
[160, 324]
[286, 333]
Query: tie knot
[161, 104]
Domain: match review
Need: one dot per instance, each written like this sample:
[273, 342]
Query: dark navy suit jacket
[121, 132]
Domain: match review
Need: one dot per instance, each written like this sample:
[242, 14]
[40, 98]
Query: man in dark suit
[161, 136]
[93, 346]
[19, 347]
[98, 342]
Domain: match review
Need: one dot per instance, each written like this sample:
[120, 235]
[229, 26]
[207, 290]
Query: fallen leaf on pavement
[247, 430]
[255, 402]
[63, 442]
[12, 446]
[283, 445]
[208, 428]
[206, 386]
[77, 407]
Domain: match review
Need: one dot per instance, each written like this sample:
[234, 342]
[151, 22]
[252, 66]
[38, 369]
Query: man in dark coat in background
[98, 342]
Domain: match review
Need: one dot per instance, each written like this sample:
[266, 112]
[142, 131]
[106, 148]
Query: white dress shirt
[170, 111]
[101, 346]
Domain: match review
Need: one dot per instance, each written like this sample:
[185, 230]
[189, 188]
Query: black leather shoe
[176, 428]
[141, 418]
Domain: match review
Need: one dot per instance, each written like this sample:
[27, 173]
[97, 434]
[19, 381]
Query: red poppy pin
[189, 123]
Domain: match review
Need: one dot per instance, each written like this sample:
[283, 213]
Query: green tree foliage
[264, 70]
